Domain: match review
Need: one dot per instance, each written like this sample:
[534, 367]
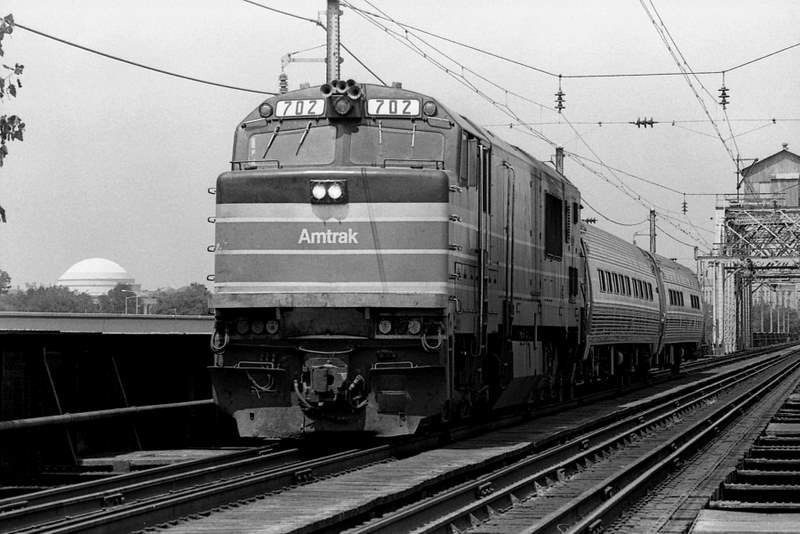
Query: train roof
[672, 270]
[465, 123]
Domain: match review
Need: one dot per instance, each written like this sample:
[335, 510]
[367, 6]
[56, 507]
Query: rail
[151, 497]
[457, 508]
[97, 415]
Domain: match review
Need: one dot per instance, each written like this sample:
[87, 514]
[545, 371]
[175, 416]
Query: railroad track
[579, 486]
[768, 477]
[141, 499]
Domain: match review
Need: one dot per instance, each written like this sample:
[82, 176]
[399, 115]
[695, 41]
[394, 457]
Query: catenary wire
[684, 67]
[321, 25]
[405, 40]
[609, 219]
[140, 65]
[551, 73]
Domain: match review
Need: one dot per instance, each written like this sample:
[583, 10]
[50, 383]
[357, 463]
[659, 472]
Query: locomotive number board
[393, 107]
[300, 108]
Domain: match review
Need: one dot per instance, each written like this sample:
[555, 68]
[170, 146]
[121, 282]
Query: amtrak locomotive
[382, 263]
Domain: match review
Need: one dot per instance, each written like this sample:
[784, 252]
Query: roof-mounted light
[342, 106]
[265, 110]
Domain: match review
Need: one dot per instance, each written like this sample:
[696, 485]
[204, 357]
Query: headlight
[429, 109]
[265, 110]
[272, 327]
[257, 326]
[318, 191]
[242, 326]
[414, 327]
[385, 326]
[335, 191]
[342, 106]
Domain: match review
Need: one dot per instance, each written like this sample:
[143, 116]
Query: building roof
[761, 163]
[96, 268]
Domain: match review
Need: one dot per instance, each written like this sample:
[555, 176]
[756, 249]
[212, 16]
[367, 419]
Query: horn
[354, 92]
[341, 86]
[326, 90]
[351, 82]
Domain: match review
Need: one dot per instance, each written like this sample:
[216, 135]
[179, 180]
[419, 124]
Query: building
[774, 180]
[96, 276]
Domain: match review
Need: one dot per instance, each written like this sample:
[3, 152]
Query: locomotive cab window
[302, 146]
[553, 226]
[372, 145]
[468, 173]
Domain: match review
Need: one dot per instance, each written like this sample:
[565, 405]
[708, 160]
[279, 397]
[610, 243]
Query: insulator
[723, 96]
[283, 83]
[560, 100]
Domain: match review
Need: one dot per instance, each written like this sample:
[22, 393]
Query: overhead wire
[321, 25]
[553, 74]
[609, 219]
[680, 61]
[140, 65]
[673, 122]
[674, 238]
[406, 40]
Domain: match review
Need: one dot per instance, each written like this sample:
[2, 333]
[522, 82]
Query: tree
[188, 300]
[47, 299]
[5, 282]
[11, 126]
[114, 300]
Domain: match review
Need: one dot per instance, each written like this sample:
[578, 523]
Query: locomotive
[383, 263]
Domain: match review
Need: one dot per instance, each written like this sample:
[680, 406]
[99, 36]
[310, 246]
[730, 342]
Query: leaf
[19, 83]
[9, 19]
[12, 90]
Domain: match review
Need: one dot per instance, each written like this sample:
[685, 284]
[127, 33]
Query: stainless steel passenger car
[644, 310]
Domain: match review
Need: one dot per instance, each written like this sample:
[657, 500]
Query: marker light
[272, 327]
[242, 326]
[385, 326]
[335, 191]
[257, 326]
[265, 110]
[342, 106]
[414, 327]
[429, 109]
[318, 191]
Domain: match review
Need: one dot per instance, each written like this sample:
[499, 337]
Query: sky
[117, 160]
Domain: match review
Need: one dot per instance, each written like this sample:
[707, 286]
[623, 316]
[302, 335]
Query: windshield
[371, 145]
[306, 146]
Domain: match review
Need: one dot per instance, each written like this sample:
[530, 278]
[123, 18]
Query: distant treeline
[188, 300]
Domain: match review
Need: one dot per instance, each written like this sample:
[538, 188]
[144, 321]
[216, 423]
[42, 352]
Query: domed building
[95, 276]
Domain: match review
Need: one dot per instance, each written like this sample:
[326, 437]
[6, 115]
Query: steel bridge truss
[757, 246]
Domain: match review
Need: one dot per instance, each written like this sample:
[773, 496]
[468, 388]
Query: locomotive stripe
[331, 252]
[307, 212]
[367, 185]
[338, 287]
[317, 235]
[336, 268]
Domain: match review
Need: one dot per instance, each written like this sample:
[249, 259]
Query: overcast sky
[117, 160]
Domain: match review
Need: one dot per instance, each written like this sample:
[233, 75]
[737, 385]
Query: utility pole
[652, 231]
[560, 159]
[332, 55]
